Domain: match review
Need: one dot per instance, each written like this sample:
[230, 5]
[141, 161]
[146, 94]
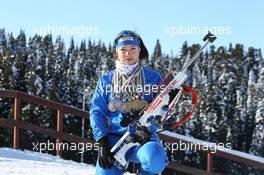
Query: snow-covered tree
[156, 58]
[3, 41]
[257, 144]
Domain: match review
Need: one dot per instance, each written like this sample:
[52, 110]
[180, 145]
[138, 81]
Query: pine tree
[208, 107]
[21, 61]
[156, 58]
[50, 68]
[257, 144]
[11, 73]
[241, 93]
[30, 75]
[251, 111]
[49, 80]
[71, 75]
[3, 41]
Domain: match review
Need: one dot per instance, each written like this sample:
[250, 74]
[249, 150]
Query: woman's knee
[112, 171]
[153, 157]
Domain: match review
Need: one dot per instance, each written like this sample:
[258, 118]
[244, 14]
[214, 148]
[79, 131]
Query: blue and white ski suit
[151, 155]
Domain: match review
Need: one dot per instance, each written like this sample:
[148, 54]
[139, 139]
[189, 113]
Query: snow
[17, 162]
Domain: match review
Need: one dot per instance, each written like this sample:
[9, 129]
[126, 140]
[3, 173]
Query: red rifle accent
[195, 98]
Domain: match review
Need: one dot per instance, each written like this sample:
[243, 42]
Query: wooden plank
[209, 162]
[54, 105]
[44, 102]
[60, 115]
[7, 94]
[17, 114]
[35, 128]
[9, 123]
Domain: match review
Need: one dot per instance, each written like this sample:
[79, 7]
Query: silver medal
[119, 104]
[115, 104]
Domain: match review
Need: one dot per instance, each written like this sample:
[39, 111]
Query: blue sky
[171, 21]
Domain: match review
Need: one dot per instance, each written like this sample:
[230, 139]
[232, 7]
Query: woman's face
[128, 54]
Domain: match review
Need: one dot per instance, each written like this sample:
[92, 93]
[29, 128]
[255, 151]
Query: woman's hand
[142, 135]
[105, 156]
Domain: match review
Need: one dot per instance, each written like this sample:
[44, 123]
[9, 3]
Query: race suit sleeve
[99, 111]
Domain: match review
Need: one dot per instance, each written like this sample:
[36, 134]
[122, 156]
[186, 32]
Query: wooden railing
[16, 123]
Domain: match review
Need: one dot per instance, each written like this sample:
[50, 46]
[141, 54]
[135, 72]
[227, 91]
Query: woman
[117, 94]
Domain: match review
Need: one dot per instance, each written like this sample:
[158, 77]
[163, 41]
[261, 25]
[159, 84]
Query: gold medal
[135, 105]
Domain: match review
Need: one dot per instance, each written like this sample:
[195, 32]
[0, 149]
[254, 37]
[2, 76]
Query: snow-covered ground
[16, 162]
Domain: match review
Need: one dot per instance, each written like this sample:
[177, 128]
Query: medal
[115, 104]
[111, 106]
[135, 105]
[119, 104]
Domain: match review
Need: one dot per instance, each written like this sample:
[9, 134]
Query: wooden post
[209, 162]
[59, 131]
[17, 114]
